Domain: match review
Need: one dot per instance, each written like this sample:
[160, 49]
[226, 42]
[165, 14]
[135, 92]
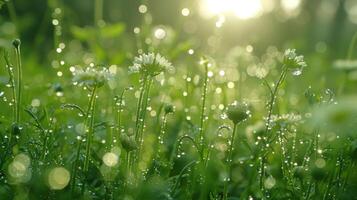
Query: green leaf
[180, 48]
[113, 30]
[1, 3]
[86, 33]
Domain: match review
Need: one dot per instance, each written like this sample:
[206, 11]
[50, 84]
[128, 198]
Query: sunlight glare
[241, 8]
[290, 5]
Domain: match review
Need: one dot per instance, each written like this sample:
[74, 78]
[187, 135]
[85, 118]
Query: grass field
[159, 99]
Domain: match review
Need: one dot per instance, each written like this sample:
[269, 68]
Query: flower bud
[128, 143]
[292, 60]
[16, 43]
[15, 129]
[57, 87]
[237, 112]
[169, 109]
[299, 172]
[318, 173]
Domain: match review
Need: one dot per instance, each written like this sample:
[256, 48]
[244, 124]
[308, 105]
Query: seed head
[15, 129]
[16, 43]
[292, 60]
[91, 76]
[318, 173]
[151, 64]
[299, 172]
[237, 112]
[128, 143]
[169, 109]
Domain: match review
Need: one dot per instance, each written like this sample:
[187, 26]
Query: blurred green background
[312, 26]
[58, 34]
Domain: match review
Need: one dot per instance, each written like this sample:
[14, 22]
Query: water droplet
[297, 72]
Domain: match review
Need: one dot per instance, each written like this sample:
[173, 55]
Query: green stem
[109, 137]
[229, 161]
[127, 161]
[44, 148]
[139, 106]
[348, 175]
[90, 129]
[120, 110]
[180, 175]
[9, 68]
[138, 120]
[89, 136]
[352, 47]
[19, 80]
[12, 14]
[273, 97]
[343, 84]
[74, 167]
[268, 123]
[194, 144]
[329, 185]
[79, 147]
[144, 108]
[160, 141]
[143, 117]
[98, 11]
[203, 108]
[308, 191]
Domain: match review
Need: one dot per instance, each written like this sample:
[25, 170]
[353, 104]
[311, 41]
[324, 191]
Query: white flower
[91, 76]
[292, 60]
[151, 64]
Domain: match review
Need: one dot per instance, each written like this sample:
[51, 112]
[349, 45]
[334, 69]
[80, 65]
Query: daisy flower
[91, 76]
[151, 64]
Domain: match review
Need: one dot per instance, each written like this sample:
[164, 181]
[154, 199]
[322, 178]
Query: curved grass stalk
[268, 124]
[180, 175]
[194, 144]
[209, 146]
[74, 106]
[43, 131]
